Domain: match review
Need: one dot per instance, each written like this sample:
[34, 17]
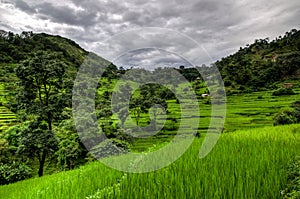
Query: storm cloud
[220, 27]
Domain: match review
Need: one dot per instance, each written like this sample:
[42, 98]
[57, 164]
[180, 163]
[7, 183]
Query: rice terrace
[145, 123]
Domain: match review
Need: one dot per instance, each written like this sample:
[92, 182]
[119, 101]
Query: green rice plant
[245, 164]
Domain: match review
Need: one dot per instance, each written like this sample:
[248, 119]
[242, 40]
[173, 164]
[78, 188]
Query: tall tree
[42, 93]
[120, 106]
[37, 142]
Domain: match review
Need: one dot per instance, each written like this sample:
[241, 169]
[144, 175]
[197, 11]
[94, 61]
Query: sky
[155, 32]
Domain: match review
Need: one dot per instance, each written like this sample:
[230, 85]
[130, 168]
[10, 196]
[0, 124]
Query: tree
[155, 103]
[136, 107]
[42, 93]
[150, 96]
[120, 105]
[37, 141]
[71, 152]
[41, 87]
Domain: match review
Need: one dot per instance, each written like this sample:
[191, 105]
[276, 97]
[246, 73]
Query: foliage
[13, 172]
[120, 104]
[43, 93]
[296, 105]
[16, 48]
[288, 116]
[42, 89]
[44, 68]
[9, 144]
[292, 188]
[191, 74]
[37, 141]
[149, 96]
[71, 152]
[245, 164]
[263, 63]
[285, 117]
[284, 91]
[253, 68]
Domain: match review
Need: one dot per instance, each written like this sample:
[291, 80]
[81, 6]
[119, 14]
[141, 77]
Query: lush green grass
[244, 111]
[255, 109]
[245, 164]
[72, 184]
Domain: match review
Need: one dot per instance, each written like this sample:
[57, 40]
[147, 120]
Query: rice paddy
[245, 164]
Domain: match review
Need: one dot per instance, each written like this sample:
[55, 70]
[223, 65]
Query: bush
[110, 147]
[10, 173]
[292, 189]
[283, 91]
[296, 105]
[285, 117]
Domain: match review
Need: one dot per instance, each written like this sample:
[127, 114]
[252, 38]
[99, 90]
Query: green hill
[48, 64]
[15, 48]
[263, 63]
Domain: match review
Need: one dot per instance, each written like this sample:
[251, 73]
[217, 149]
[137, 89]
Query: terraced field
[7, 118]
[256, 109]
[244, 111]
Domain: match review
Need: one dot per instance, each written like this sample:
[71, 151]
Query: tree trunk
[42, 163]
[49, 122]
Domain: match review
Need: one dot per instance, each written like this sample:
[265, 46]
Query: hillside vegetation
[38, 135]
[263, 63]
[16, 48]
[244, 164]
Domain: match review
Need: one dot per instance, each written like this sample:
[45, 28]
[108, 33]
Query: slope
[263, 63]
[245, 164]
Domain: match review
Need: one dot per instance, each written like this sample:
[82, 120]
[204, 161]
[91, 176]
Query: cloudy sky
[220, 27]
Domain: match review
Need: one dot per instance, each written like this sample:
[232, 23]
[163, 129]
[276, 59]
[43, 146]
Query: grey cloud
[220, 26]
[22, 5]
[150, 58]
[66, 15]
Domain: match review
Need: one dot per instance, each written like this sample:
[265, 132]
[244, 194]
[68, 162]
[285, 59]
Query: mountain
[263, 63]
[15, 48]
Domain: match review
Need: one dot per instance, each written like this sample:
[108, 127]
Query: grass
[245, 164]
[249, 163]
[72, 184]
[244, 111]
[248, 111]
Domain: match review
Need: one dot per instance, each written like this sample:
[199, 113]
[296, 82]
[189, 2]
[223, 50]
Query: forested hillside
[37, 131]
[263, 63]
[15, 48]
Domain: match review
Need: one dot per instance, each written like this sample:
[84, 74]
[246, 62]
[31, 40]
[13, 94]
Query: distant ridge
[263, 63]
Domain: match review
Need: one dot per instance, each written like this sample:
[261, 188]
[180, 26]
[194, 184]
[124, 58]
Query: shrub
[10, 173]
[283, 91]
[296, 105]
[285, 117]
[227, 82]
[292, 189]
[110, 147]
